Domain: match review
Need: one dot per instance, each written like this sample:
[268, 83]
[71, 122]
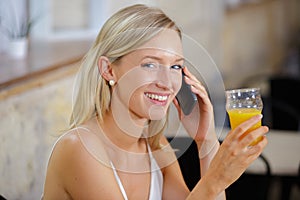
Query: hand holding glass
[241, 105]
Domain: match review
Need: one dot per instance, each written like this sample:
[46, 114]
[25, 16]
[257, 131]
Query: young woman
[115, 148]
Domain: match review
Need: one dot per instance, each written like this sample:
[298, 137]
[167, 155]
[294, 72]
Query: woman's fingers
[236, 152]
[194, 82]
[253, 135]
[189, 74]
[255, 150]
[243, 127]
[177, 106]
[241, 143]
[197, 87]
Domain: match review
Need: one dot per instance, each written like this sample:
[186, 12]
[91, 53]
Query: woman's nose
[164, 79]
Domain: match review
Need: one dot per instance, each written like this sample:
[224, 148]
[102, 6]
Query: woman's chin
[157, 112]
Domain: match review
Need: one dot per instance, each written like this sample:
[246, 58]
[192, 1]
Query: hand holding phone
[185, 97]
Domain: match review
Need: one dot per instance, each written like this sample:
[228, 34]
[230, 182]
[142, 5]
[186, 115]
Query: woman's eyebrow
[160, 59]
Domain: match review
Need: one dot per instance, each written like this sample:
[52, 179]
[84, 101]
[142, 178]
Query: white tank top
[156, 184]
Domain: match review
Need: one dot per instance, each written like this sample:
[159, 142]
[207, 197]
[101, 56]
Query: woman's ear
[105, 69]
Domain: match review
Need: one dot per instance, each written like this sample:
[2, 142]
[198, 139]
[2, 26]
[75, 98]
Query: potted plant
[18, 35]
[15, 25]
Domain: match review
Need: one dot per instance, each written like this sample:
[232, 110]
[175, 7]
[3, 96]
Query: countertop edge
[39, 78]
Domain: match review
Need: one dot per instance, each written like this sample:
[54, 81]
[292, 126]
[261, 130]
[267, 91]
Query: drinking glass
[242, 104]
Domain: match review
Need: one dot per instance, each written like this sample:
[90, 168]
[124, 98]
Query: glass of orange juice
[242, 104]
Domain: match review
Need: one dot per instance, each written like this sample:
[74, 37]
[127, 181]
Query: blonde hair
[122, 33]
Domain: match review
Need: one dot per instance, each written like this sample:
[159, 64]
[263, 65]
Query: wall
[255, 41]
[30, 123]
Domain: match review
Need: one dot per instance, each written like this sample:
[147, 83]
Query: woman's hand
[236, 154]
[200, 122]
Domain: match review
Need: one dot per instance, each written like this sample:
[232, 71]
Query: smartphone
[186, 98]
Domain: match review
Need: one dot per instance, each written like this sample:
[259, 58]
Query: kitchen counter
[43, 58]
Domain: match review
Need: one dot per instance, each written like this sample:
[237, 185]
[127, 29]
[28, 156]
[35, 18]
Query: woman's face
[149, 77]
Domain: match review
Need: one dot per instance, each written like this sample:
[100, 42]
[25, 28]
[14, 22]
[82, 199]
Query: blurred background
[253, 43]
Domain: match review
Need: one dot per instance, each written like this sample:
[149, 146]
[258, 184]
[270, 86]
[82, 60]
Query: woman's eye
[149, 65]
[178, 67]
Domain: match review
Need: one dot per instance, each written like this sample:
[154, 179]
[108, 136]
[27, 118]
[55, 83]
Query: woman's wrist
[205, 188]
[207, 148]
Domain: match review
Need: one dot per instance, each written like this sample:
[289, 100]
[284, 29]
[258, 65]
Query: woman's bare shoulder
[80, 166]
[82, 143]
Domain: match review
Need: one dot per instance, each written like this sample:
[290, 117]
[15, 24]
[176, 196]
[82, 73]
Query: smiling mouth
[156, 97]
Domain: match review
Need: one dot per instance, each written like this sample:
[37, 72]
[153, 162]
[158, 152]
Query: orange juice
[238, 116]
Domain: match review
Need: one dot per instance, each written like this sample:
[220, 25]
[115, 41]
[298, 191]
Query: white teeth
[157, 97]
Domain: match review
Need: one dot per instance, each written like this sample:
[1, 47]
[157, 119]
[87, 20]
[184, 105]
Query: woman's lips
[160, 99]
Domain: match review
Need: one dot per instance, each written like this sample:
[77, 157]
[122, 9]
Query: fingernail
[257, 117]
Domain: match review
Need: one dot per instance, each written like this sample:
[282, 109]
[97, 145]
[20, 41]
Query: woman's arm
[220, 165]
[74, 173]
[200, 124]
[175, 186]
[205, 162]
[231, 160]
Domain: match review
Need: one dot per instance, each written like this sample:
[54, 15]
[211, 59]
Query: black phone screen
[186, 98]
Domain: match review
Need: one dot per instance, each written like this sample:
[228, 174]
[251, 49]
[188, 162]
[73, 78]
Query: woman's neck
[128, 136]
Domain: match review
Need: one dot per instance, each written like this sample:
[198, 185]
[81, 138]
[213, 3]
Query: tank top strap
[119, 181]
[156, 187]
[156, 184]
